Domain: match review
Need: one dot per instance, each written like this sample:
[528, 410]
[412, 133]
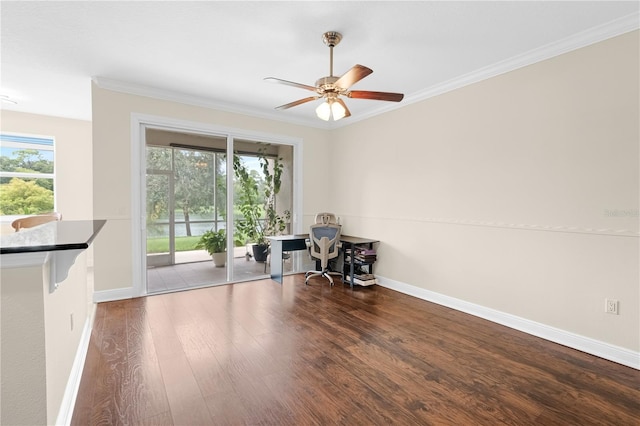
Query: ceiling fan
[332, 88]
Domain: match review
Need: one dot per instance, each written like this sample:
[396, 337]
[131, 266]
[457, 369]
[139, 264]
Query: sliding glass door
[262, 202]
[186, 208]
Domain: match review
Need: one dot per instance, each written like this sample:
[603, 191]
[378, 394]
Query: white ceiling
[217, 53]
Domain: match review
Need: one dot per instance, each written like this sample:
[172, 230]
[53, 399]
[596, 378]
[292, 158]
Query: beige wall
[22, 315]
[112, 170]
[518, 193]
[74, 200]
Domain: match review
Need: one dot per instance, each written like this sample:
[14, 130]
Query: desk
[282, 243]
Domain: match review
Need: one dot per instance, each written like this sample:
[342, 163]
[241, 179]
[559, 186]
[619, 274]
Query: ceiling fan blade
[354, 75]
[298, 102]
[347, 113]
[291, 83]
[379, 96]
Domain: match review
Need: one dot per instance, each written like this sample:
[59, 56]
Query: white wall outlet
[611, 306]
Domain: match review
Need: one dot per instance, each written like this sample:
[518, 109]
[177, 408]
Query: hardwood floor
[259, 353]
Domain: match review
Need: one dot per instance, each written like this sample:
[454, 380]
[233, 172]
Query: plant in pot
[249, 204]
[260, 217]
[215, 243]
[274, 223]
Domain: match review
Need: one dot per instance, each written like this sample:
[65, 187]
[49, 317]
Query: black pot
[260, 252]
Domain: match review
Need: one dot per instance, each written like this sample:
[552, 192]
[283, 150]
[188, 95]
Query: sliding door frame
[139, 124]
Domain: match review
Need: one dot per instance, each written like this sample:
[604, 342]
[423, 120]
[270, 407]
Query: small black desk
[282, 243]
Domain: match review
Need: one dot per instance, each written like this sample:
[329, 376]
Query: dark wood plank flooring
[261, 353]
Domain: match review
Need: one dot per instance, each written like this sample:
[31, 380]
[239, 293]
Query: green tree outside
[193, 173]
[24, 197]
[26, 160]
[194, 182]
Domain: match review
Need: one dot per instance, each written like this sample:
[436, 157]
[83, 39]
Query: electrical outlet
[611, 306]
[71, 320]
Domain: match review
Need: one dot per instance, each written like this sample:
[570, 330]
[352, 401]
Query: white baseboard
[111, 295]
[585, 344]
[73, 383]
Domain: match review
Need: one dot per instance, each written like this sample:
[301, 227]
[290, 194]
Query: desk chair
[324, 244]
[31, 221]
[325, 218]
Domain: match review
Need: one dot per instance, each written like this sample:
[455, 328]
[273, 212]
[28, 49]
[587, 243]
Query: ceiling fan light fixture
[337, 110]
[324, 111]
[330, 109]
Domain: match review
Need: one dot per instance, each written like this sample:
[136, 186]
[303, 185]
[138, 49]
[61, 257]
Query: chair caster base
[324, 274]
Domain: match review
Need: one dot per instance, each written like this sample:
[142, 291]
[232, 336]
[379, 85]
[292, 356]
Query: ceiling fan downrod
[331, 39]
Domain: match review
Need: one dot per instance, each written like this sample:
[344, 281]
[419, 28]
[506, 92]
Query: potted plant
[261, 219]
[215, 243]
[251, 226]
[274, 223]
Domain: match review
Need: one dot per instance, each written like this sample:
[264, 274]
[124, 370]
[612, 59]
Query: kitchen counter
[44, 298]
[57, 243]
[52, 236]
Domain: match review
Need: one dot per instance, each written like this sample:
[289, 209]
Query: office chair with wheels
[324, 244]
[325, 218]
[31, 221]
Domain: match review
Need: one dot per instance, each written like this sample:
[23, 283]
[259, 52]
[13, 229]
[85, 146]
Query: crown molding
[576, 41]
[200, 101]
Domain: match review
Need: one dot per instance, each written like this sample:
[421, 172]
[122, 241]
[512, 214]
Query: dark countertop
[52, 236]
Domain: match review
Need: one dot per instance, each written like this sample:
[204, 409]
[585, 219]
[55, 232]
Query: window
[26, 174]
